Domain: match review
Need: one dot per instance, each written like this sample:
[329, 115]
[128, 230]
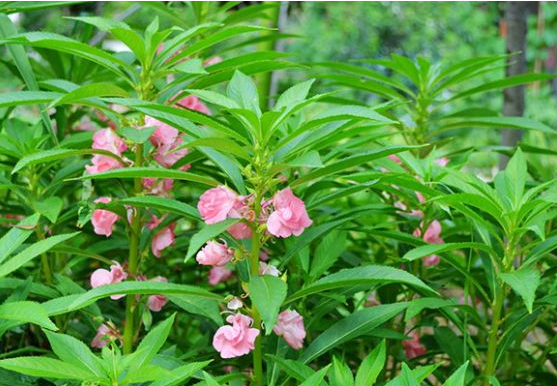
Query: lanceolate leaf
[143, 172]
[357, 324]
[207, 233]
[369, 274]
[73, 351]
[161, 203]
[433, 249]
[267, 292]
[47, 368]
[26, 312]
[17, 236]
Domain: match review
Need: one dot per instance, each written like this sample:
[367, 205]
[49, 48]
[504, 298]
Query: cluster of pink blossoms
[284, 215]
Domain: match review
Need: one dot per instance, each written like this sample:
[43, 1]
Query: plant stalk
[257, 351]
[133, 259]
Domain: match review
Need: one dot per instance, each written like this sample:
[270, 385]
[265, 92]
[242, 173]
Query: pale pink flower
[235, 340]
[219, 274]
[192, 102]
[240, 231]
[443, 161]
[85, 125]
[290, 325]
[167, 156]
[395, 158]
[213, 60]
[166, 139]
[263, 255]
[157, 302]
[163, 239]
[103, 220]
[102, 277]
[158, 186]
[371, 300]
[290, 216]
[215, 204]
[268, 269]
[214, 253]
[107, 139]
[412, 347]
[102, 163]
[104, 335]
[234, 304]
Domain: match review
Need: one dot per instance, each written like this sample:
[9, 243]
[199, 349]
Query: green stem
[133, 258]
[493, 334]
[257, 351]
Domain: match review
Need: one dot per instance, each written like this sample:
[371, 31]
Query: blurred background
[443, 32]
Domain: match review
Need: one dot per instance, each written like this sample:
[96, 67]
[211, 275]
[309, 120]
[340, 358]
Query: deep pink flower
[290, 325]
[154, 222]
[412, 347]
[192, 102]
[157, 302]
[432, 235]
[103, 220]
[443, 161]
[163, 239]
[157, 186]
[236, 340]
[214, 253]
[104, 335]
[102, 277]
[290, 216]
[215, 204]
[219, 274]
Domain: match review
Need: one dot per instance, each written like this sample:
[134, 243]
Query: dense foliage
[165, 220]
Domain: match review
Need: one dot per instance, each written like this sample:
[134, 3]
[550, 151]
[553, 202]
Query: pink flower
[371, 300]
[215, 204]
[107, 139]
[236, 340]
[157, 302]
[234, 304]
[290, 216]
[154, 222]
[163, 239]
[240, 231]
[432, 235]
[290, 325]
[412, 347]
[219, 274]
[214, 253]
[157, 186]
[213, 60]
[395, 158]
[103, 220]
[192, 102]
[102, 163]
[268, 269]
[104, 335]
[166, 139]
[443, 161]
[102, 277]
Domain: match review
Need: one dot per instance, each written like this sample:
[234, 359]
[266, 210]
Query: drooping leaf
[267, 293]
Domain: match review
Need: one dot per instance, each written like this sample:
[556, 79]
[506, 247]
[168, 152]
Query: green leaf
[520, 123]
[140, 135]
[327, 253]
[267, 293]
[317, 378]
[524, 282]
[357, 324]
[90, 91]
[417, 305]
[143, 172]
[160, 203]
[407, 377]
[294, 95]
[46, 367]
[17, 236]
[33, 251]
[372, 365]
[210, 380]
[181, 374]
[515, 177]
[199, 306]
[340, 374]
[350, 112]
[58, 154]
[215, 98]
[458, 378]
[75, 352]
[293, 368]
[434, 249]
[71, 303]
[151, 344]
[26, 312]
[50, 208]
[100, 22]
[20, 98]
[349, 162]
[311, 159]
[366, 275]
[207, 233]
[192, 66]
[242, 90]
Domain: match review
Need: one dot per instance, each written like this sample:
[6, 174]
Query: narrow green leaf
[75, 352]
[267, 293]
[17, 236]
[46, 367]
[26, 312]
[458, 378]
[161, 203]
[90, 91]
[433, 249]
[372, 365]
[207, 233]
